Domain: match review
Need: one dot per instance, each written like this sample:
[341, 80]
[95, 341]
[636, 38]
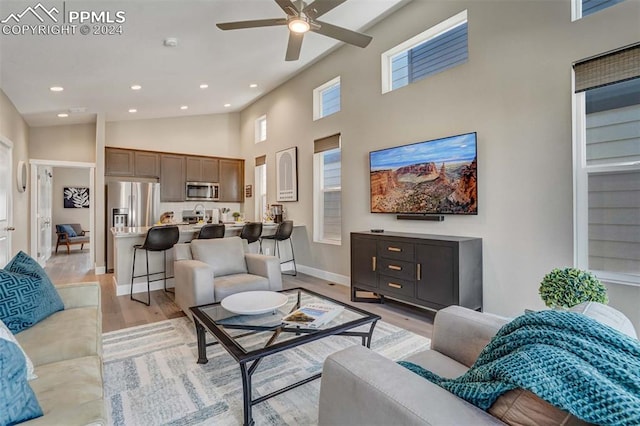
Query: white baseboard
[325, 275]
[141, 286]
[101, 270]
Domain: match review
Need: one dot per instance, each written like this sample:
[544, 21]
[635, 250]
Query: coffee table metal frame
[250, 360]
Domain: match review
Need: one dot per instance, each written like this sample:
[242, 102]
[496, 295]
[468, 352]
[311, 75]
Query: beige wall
[14, 128]
[215, 134]
[75, 142]
[515, 91]
[65, 177]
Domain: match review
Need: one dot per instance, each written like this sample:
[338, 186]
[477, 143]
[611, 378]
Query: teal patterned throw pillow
[18, 403]
[27, 295]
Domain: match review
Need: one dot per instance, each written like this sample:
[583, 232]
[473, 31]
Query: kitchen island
[125, 238]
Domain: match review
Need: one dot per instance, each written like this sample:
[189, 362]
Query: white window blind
[261, 188]
[328, 190]
[608, 167]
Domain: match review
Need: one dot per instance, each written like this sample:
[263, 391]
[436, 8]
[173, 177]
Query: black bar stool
[283, 232]
[212, 230]
[251, 232]
[159, 238]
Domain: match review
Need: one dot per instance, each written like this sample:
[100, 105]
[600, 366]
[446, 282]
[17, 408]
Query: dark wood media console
[433, 271]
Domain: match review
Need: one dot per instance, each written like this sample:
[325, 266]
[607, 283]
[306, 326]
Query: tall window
[326, 99]
[261, 187]
[327, 190]
[583, 8]
[607, 165]
[436, 49]
[261, 129]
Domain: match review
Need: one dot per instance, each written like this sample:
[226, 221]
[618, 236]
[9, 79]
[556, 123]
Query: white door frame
[6, 142]
[92, 202]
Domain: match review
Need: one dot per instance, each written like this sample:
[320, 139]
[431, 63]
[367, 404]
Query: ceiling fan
[302, 17]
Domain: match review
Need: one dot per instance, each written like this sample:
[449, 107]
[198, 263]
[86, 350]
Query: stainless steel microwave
[203, 191]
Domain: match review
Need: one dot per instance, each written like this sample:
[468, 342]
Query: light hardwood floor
[120, 312]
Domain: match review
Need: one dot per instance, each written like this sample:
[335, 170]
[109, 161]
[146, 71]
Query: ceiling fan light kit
[299, 25]
[300, 19]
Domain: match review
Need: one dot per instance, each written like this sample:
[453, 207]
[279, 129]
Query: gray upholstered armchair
[206, 271]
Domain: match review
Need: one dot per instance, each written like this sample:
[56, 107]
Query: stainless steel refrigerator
[130, 204]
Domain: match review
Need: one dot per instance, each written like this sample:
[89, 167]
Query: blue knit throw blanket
[565, 358]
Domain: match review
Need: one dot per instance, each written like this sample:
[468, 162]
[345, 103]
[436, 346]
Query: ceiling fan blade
[320, 7]
[342, 34]
[293, 47]
[251, 24]
[289, 8]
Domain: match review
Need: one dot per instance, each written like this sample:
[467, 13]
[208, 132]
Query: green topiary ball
[568, 287]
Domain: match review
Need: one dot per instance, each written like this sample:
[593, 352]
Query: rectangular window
[436, 49]
[584, 8]
[327, 191]
[261, 188]
[326, 99]
[261, 129]
[608, 167]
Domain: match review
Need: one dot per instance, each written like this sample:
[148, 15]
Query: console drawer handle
[394, 249]
[395, 268]
[373, 263]
[419, 271]
[394, 285]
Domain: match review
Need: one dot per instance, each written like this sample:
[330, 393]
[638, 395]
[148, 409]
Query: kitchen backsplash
[177, 208]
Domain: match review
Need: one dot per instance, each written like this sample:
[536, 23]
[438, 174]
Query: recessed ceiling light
[63, 115]
[133, 110]
[204, 86]
[253, 85]
[136, 87]
[56, 88]
[227, 105]
[184, 107]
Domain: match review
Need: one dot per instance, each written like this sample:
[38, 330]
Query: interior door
[45, 189]
[5, 200]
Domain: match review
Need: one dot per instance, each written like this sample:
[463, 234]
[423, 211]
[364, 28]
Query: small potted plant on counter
[568, 287]
[236, 216]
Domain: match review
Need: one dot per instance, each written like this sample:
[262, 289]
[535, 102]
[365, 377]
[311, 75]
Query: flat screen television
[431, 177]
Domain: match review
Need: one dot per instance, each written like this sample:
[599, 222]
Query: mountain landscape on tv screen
[426, 188]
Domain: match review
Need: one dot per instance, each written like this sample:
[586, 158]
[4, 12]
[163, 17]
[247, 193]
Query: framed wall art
[76, 198]
[287, 175]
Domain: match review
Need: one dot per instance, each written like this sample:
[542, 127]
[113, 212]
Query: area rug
[151, 376]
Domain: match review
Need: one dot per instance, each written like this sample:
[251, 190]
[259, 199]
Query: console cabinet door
[118, 162]
[436, 281]
[172, 177]
[146, 164]
[231, 180]
[364, 263]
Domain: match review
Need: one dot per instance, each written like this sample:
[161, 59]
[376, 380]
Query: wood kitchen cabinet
[433, 271]
[231, 180]
[118, 162]
[202, 169]
[172, 177]
[146, 164]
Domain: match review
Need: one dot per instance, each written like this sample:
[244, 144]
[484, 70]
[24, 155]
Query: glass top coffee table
[250, 338]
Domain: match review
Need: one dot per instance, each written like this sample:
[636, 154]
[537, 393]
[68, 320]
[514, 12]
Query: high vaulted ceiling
[97, 71]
